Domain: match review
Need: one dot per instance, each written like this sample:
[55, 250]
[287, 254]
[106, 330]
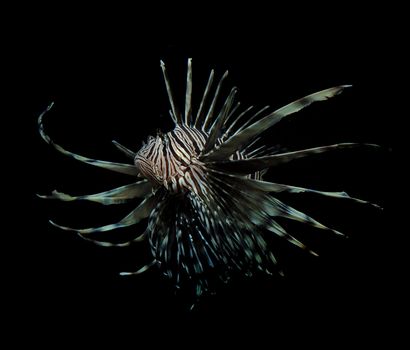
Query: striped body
[200, 187]
[171, 160]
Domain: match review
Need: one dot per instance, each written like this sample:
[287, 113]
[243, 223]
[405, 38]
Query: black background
[106, 88]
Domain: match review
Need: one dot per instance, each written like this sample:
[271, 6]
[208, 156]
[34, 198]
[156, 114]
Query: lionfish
[201, 188]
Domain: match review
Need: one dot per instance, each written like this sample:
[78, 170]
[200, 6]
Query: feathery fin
[176, 115]
[188, 95]
[124, 149]
[237, 141]
[141, 212]
[251, 165]
[117, 195]
[210, 115]
[279, 208]
[117, 167]
[139, 238]
[201, 111]
[141, 270]
[215, 131]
